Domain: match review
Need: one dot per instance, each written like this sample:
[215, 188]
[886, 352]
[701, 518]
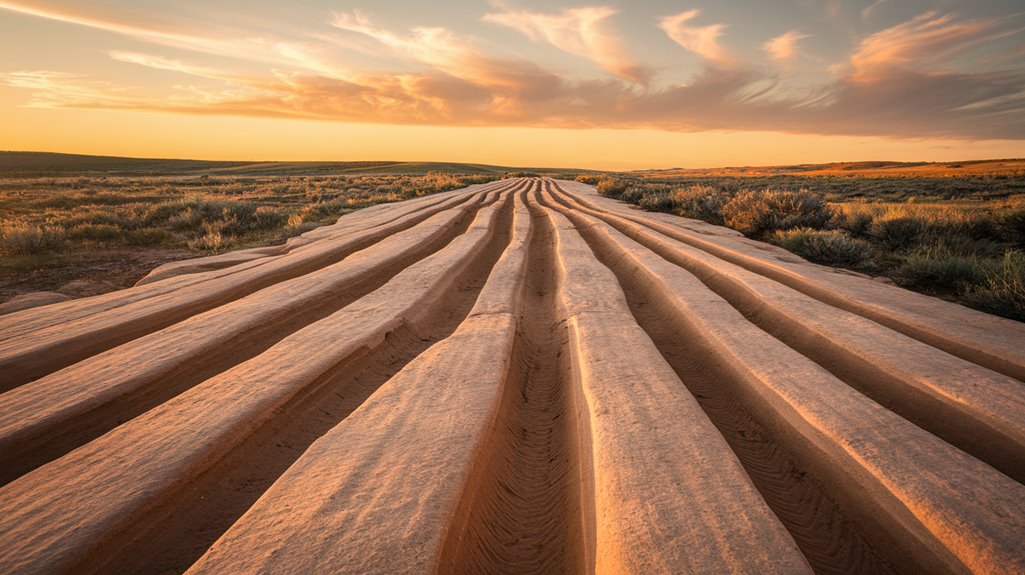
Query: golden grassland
[1010, 167]
[960, 237]
[89, 234]
[955, 230]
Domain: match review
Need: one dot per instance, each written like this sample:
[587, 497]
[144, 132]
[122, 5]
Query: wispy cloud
[242, 46]
[921, 43]
[702, 40]
[584, 32]
[783, 48]
[62, 90]
[867, 12]
[187, 41]
[442, 50]
[163, 63]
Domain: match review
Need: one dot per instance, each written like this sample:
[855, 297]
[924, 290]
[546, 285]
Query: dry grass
[56, 230]
[951, 240]
[1009, 168]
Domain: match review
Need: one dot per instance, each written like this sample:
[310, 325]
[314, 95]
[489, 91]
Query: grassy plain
[82, 225]
[952, 230]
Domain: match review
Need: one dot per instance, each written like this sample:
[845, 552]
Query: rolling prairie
[95, 224]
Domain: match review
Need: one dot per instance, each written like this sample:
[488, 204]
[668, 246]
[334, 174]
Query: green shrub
[857, 224]
[1003, 290]
[212, 240]
[148, 237]
[266, 218]
[611, 187]
[757, 213]
[329, 209]
[940, 266]
[830, 247]
[657, 201]
[435, 182]
[94, 232]
[589, 179]
[897, 233]
[1011, 227]
[94, 217]
[633, 194]
[27, 239]
[162, 213]
[701, 202]
[186, 220]
[939, 226]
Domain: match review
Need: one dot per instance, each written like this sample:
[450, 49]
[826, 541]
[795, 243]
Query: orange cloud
[162, 63]
[580, 31]
[251, 48]
[702, 40]
[62, 90]
[444, 51]
[867, 12]
[784, 47]
[921, 43]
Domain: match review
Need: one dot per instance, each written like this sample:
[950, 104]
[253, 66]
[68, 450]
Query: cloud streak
[702, 40]
[584, 32]
[244, 47]
[926, 41]
[169, 64]
[869, 10]
[783, 48]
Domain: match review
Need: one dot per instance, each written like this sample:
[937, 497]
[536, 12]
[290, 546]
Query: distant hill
[46, 164]
[1011, 167]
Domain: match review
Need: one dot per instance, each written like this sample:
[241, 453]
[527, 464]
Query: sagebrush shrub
[657, 201]
[830, 247]
[1011, 227]
[1003, 291]
[940, 266]
[758, 213]
[897, 233]
[633, 194]
[855, 223]
[701, 202]
[268, 218]
[148, 237]
[26, 239]
[611, 187]
[95, 232]
[212, 240]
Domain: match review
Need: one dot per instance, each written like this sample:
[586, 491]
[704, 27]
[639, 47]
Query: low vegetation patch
[19, 238]
[56, 230]
[1003, 290]
[830, 247]
[958, 238]
[758, 213]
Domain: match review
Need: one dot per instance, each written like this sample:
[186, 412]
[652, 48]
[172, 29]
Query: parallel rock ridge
[515, 377]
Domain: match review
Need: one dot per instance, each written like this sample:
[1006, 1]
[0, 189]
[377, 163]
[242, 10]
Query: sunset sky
[614, 85]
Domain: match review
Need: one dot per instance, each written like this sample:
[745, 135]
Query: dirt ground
[84, 272]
